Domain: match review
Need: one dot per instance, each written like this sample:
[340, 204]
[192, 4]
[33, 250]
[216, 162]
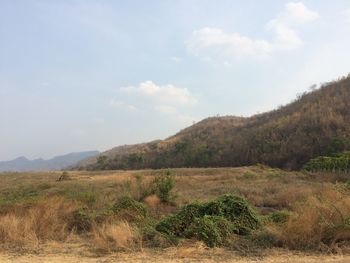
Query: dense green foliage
[315, 124]
[212, 221]
[163, 186]
[212, 230]
[130, 209]
[336, 163]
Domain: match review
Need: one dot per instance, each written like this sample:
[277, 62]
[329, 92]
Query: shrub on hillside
[337, 163]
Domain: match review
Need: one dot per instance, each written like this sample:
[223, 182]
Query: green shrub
[233, 209]
[279, 217]
[236, 210]
[153, 238]
[81, 221]
[176, 225]
[163, 185]
[212, 230]
[336, 163]
[130, 209]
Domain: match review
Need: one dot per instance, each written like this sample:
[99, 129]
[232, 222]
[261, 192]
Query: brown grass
[321, 222]
[36, 210]
[43, 221]
[152, 201]
[115, 236]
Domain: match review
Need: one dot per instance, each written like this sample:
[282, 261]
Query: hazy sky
[82, 75]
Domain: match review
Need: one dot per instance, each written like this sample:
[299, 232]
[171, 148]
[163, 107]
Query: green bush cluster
[336, 163]
[212, 230]
[163, 186]
[130, 209]
[211, 222]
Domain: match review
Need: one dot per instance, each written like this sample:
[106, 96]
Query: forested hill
[317, 123]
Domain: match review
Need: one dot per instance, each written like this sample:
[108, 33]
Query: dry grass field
[304, 217]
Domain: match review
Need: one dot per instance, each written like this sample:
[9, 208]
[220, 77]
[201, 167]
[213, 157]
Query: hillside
[317, 123]
[56, 163]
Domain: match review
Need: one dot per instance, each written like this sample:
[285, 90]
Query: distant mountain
[316, 123]
[57, 163]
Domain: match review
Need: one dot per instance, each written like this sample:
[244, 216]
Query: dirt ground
[76, 252]
[148, 257]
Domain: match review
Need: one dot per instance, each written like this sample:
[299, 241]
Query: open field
[304, 217]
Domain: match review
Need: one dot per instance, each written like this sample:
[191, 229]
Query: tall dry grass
[152, 201]
[115, 236]
[29, 226]
[321, 222]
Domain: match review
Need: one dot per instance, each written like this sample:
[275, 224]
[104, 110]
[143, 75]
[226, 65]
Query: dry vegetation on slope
[317, 123]
[298, 212]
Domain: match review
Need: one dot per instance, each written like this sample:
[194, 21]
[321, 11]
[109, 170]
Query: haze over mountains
[56, 163]
[316, 123]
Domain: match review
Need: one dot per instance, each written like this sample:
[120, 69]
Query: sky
[79, 75]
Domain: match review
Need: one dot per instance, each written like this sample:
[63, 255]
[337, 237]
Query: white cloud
[162, 93]
[122, 105]
[282, 26]
[168, 100]
[165, 109]
[210, 43]
[285, 37]
[298, 13]
[174, 114]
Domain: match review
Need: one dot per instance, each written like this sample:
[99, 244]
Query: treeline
[317, 123]
[339, 163]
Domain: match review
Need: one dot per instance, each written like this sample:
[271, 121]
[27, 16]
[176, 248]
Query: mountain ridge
[21, 164]
[315, 123]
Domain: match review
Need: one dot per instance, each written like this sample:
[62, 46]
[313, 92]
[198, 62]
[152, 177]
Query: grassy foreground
[103, 213]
